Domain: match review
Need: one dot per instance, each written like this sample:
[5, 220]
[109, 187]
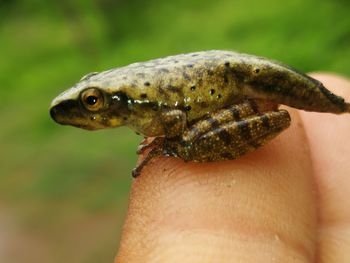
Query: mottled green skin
[168, 96]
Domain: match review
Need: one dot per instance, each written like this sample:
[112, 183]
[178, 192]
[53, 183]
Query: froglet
[203, 106]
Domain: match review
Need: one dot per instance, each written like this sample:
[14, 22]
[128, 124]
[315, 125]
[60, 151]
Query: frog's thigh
[234, 113]
[233, 139]
[174, 122]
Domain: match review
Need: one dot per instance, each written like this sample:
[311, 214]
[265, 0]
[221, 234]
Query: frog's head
[89, 105]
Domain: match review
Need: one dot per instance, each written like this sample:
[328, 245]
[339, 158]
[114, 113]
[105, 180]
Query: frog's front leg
[174, 122]
[228, 135]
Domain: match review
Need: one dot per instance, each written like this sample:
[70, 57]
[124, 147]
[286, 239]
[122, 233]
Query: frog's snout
[61, 112]
[68, 112]
[53, 113]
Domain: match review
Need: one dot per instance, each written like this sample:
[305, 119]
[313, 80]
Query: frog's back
[203, 82]
[197, 82]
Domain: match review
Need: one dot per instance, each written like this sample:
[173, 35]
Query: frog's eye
[92, 99]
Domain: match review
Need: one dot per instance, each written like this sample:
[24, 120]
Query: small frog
[203, 106]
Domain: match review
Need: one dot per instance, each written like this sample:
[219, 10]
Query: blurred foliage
[51, 176]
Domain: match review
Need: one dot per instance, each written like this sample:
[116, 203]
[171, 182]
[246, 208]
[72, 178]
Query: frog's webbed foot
[156, 147]
[230, 133]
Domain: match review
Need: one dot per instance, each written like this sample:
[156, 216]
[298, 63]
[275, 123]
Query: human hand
[286, 202]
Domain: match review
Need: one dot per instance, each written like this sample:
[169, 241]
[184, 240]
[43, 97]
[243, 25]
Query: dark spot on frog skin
[140, 74]
[225, 136]
[235, 113]
[219, 96]
[254, 106]
[120, 102]
[147, 84]
[146, 105]
[143, 96]
[173, 89]
[164, 70]
[227, 72]
[210, 72]
[198, 74]
[163, 92]
[265, 121]
[193, 88]
[188, 108]
[189, 65]
[238, 74]
[257, 71]
[154, 106]
[212, 91]
[186, 76]
[243, 127]
[214, 123]
[225, 78]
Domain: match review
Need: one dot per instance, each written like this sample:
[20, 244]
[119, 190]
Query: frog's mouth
[68, 112]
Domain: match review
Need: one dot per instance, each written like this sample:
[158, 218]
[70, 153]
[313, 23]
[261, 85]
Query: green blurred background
[64, 191]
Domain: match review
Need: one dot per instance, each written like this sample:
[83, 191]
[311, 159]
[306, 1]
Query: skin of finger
[259, 208]
[328, 136]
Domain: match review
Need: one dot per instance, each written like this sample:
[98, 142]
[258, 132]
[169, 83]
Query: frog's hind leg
[234, 139]
[234, 113]
[229, 139]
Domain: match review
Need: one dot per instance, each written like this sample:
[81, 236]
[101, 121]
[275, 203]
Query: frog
[204, 106]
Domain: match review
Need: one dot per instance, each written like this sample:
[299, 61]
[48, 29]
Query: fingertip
[328, 137]
[225, 210]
